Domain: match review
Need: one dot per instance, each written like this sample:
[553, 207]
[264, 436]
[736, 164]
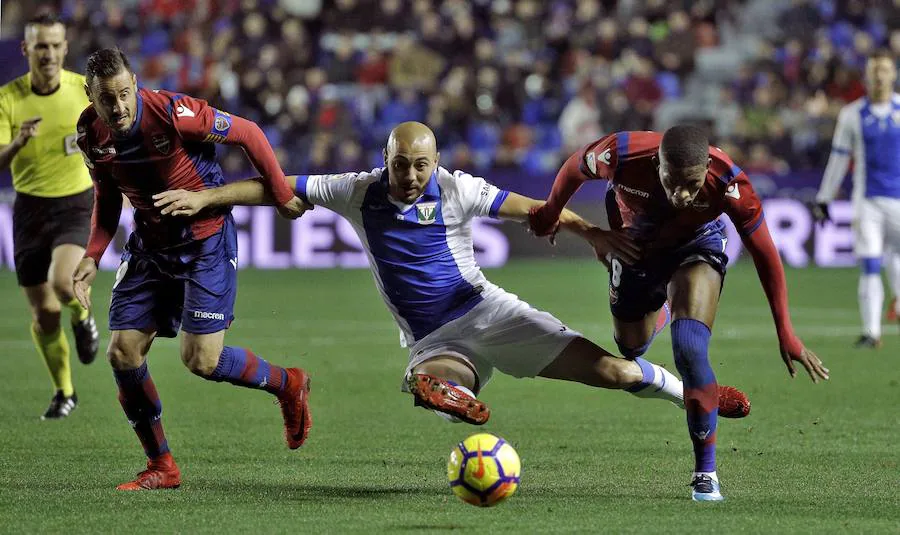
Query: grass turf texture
[810, 458]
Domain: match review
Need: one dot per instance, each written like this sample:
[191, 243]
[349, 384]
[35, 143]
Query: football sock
[657, 382]
[142, 407]
[871, 297]
[241, 367]
[690, 344]
[54, 349]
[79, 313]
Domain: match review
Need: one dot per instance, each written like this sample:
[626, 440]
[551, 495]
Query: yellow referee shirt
[50, 164]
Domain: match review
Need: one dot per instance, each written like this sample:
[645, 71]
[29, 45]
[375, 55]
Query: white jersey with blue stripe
[869, 134]
[421, 255]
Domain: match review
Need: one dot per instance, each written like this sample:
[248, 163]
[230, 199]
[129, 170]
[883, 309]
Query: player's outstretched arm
[104, 224]
[543, 219]
[604, 242]
[771, 275]
[250, 192]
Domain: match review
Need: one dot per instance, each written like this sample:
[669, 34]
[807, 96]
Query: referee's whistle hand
[28, 130]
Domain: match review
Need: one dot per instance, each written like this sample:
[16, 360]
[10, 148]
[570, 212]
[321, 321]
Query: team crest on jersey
[220, 127]
[162, 143]
[426, 212]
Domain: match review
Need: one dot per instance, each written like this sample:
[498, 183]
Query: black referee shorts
[40, 224]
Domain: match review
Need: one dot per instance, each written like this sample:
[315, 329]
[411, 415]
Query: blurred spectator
[517, 83]
[579, 122]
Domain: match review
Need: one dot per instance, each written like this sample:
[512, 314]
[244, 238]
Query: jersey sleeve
[331, 191]
[599, 160]
[5, 120]
[842, 145]
[476, 196]
[742, 204]
[195, 120]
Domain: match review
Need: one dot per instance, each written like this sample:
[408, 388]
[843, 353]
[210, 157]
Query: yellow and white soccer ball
[484, 470]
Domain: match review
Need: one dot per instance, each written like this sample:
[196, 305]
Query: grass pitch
[809, 458]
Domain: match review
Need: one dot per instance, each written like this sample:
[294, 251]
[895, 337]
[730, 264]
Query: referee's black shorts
[40, 224]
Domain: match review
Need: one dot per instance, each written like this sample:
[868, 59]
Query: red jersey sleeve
[107, 201]
[742, 205]
[597, 160]
[195, 120]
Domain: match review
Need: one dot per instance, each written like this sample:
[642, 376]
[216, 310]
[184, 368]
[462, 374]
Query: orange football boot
[295, 408]
[439, 395]
[732, 402]
[161, 473]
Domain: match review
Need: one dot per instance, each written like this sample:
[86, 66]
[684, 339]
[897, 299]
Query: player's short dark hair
[882, 53]
[104, 63]
[685, 145]
[47, 18]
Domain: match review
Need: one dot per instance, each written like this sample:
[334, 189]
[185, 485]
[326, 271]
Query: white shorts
[876, 227]
[502, 332]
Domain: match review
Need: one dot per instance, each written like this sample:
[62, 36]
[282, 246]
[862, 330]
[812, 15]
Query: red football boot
[439, 395]
[161, 473]
[295, 408]
[732, 402]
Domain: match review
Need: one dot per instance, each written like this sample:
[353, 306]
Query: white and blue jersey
[869, 134]
[421, 254]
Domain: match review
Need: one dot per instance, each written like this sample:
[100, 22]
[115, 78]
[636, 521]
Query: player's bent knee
[62, 288]
[47, 319]
[632, 353]
[122, 357]
[200, 362]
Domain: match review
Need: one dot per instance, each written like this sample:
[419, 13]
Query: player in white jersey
[414, 220]
[868, 133]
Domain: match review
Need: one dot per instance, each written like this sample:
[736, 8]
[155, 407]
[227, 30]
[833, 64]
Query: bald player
[414, 219]
[52, 213]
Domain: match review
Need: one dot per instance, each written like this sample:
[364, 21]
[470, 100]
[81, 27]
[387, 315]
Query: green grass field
[810, 458]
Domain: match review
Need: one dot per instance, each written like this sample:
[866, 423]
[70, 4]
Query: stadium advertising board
[321, 239]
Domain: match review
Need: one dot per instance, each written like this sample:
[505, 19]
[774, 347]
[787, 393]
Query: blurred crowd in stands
[504, 83]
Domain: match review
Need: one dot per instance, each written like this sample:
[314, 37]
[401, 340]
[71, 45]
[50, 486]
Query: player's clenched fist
[27, 131]
[82, 280]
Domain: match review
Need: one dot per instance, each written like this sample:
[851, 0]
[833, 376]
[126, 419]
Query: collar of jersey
[137, 117]
[432, 192]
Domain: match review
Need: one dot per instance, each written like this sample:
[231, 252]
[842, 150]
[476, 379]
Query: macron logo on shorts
[203, 315]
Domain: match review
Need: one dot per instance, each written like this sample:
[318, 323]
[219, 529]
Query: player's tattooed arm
[250, 192]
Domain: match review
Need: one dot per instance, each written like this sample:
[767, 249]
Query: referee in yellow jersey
[54, 198]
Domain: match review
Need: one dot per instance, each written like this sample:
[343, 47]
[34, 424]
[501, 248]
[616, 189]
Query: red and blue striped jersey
[170, 146]
[637, 201]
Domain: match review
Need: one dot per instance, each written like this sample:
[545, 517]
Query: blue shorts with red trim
[191, 286]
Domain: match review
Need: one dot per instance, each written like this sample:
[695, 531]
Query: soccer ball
[484, 470]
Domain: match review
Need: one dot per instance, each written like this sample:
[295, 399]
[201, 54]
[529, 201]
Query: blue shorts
[637, 290]
[192, 286]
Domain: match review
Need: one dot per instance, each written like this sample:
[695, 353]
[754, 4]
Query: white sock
[712, 475]
[871, 301]
[664, 386]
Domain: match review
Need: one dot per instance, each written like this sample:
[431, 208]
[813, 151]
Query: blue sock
[648, 375]
[241, 367]
[142, 407]
[690, 343]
